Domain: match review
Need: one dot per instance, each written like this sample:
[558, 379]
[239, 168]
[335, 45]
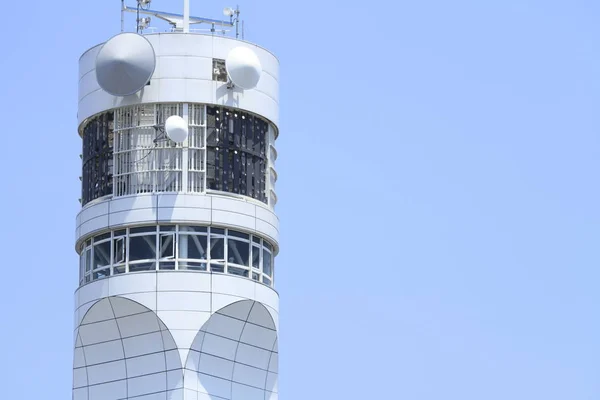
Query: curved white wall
[184, 74]
[180, 208]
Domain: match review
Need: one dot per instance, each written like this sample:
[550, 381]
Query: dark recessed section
[236, 152]
[97, 158]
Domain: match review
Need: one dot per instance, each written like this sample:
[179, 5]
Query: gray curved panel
[184, 74]
[123, 350]
[235, 355]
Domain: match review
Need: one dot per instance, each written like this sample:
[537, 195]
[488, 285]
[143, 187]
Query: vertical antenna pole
[186, 16]
[237, 21]
[122, 16]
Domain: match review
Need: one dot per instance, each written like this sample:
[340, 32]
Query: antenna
[243, 67]
[176, 128]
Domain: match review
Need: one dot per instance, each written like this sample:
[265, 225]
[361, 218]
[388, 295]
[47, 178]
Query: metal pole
[122, 16]
[186, 16]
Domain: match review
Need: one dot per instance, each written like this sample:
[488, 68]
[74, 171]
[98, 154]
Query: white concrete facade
[180, 334]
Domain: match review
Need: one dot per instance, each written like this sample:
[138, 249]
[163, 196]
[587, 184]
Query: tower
[177, 233]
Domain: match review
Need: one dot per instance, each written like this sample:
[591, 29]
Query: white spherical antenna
[228, 11]
[243, 67]
[125, 64]
[176, 128]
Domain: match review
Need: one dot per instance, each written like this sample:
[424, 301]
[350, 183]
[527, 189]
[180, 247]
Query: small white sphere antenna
[228, 12]
[243, 67]
[176, 128]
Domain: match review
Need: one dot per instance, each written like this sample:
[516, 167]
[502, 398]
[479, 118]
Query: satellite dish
[243, 67]
[228, 11]
[125, 64]
[176, 128]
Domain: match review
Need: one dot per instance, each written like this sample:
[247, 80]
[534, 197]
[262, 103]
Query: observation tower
[177, 233]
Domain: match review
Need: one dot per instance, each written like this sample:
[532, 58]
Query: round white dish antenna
[176, 128]
[228, 12]
[125, 64]
[243, 67]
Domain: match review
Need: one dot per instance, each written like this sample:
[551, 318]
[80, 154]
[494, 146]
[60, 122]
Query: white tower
[177, 233]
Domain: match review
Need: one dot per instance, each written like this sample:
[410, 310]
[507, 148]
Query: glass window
[102, 255]
[167, 228]
[119, 249]
[193, 229]
[238, 252]
[101, 274]
[217, 231]
[142, 229]
[121, 232]
[102, 237]
[217, 268]
[166, 265]
[145, 266]
[119, 270]
[192, 266]
[266, 280]
[238, 234]
[192, 247]
[255, 276]
[267, 263]
[88, 259]
[237, 271]
[256, 239]
[217, 248]
[167, 245]
[142, 247]
[267, 245]
[256, 257]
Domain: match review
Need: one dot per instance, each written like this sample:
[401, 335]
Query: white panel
[78, 358]
[139, 201]
[183, 338]
[254, 356]
[168, 340]
[82, 311]
[152, 396]
[249, 375]
[192, 320]
[258, 336]
[220, 346]
[99, 332]
[133, 283]
[183, 301]
[103, 352]
[267, 216]
[243, 392]
[267, 229]
[271, 382]
[87, 62]
[93, 225]
[113, 390]
[267, 296]
[146, 384]
[134, 216]
[233, 285]
[80, 394]
[139, 324]
[172, 45]
[175, 379]
[193, 395]
[198, 68]
[215, 366]
[274, 314]
[108, 372]
[183, 281]
[178, 394]
[144, 344]
[172, 67]
[146, 365]
[215, 386]
[222, 300]
[79, 377]
[238, 206]
[94, 210]
[93, 291]
[189, 215]
[147, 299]
[224, 326]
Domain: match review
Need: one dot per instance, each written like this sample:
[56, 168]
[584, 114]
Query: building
[177, 232]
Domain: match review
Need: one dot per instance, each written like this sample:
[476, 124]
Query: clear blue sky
[439, 165]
